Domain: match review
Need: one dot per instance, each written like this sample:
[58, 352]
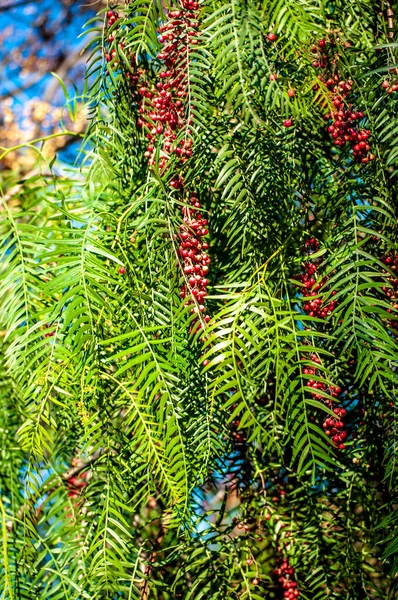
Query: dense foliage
[199, 325]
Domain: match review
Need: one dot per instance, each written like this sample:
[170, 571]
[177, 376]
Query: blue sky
[21, 34]
[24, 21]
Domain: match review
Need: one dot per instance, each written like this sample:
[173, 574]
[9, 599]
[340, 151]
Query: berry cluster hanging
[285, 574]
[312, 284]
[165, 112]
[333, 426]
[77, 483]
[195, 260]
[391, 290]
[110, 51]
[169, 112]
[390, 87]
[343, 121]
[166, 108]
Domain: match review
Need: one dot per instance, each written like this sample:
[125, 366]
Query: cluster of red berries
[75, 485]
[391, 291]
[343, 130]
[238, 436]
[343, 121]
[111, 53]
[314, 307]
[332, 390]
[334, 427]
[285, 574]
[196, 262]
[112, 17]
[390, 87]
[164, 114]
[319, 50]
[49, 333]
[163, 109]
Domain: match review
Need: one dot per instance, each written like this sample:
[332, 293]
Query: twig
[81, 466]
[152, 558]
[390, 21]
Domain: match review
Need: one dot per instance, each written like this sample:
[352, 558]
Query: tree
[199, 344]
[40, 46]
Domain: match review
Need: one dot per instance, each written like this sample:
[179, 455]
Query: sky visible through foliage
[38, 39]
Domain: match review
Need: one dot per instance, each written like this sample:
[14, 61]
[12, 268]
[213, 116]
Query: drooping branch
[79, 466]
[152, 558]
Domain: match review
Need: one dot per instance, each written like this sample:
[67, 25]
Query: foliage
[150, 452]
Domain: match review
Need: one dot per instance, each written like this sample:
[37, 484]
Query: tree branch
[390, 20]
[152, 558]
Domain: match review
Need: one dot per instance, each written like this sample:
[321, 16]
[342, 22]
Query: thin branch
[152, 558]
[81, 465]
[390, 20]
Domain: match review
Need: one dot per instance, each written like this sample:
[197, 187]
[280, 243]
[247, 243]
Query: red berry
[122, 270]
[271, 37]
[287, 123]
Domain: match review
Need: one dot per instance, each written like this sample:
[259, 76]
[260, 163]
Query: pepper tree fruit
[221, 421]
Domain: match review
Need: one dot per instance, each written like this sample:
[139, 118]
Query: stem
[390, 21]
[5, 551]
[36, 141]
[152, 558]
